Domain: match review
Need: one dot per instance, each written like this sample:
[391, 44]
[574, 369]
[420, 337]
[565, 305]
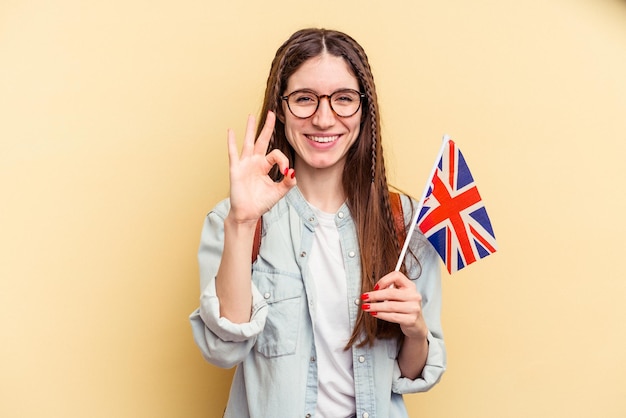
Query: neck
[322, 188]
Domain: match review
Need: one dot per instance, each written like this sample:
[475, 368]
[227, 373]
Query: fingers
[248, 140]
[289, 174]
[407, 313]
[233, 154]
[288, 181]
[266, 133]
[395, 279]
[277, 157]
[394, 299]
[251, 146]
[406, 306]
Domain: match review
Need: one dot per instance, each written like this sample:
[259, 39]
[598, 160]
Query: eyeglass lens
[304, 103]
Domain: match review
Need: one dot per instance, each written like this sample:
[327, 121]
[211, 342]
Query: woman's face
[322, 140]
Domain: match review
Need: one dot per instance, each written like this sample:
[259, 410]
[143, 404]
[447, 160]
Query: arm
[412, 356]
[428, 286]
[232, 312]
[398, 300]
[426, 277]
[252, 193]
[221, 342]
[233, 278]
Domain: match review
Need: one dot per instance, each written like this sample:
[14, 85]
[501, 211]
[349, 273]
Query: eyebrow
[316, 92]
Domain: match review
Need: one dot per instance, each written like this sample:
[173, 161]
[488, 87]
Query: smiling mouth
[323, 139]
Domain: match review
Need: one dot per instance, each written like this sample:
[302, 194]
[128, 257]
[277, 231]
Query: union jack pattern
[453, 216]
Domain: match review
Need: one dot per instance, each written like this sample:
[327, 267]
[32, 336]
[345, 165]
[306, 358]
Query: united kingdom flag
[453, 216]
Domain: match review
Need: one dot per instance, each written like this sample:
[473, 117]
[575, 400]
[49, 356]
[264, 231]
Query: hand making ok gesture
[252, 191]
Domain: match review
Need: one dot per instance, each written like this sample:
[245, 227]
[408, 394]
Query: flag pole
[420, 204]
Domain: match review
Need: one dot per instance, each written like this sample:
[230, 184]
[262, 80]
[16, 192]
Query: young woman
[318, 323]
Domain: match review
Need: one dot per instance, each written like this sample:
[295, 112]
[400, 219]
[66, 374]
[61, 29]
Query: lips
[323, 139]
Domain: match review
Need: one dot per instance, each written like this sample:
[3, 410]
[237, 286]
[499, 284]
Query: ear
[280, 111]
[280, 115]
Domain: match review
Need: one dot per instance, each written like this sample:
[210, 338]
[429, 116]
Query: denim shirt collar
[303, 209]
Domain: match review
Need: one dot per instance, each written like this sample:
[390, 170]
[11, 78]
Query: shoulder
[221, 209]
[409, 205]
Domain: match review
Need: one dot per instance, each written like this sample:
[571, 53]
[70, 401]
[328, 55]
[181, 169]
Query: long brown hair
[364, 177]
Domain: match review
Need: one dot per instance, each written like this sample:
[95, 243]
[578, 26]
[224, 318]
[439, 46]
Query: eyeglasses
[304, 103]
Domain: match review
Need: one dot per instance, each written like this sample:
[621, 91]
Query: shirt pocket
[283, 294]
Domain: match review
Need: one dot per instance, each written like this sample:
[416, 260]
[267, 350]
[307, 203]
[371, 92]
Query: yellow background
[113, 119]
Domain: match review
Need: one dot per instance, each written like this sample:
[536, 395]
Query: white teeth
[323, 139]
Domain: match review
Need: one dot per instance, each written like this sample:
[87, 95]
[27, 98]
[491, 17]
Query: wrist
[417, 334]
[238, 231]
[239, 224]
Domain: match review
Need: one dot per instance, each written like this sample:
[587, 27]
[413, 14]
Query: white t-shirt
[332, 330]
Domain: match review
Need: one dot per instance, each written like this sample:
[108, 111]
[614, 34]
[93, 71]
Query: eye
[304, 98]
[345, 97]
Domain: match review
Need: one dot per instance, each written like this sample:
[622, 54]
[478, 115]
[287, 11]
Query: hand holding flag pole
[451, 213]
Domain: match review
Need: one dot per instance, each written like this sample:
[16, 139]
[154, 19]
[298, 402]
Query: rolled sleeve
[433, 370]
[223, 328]
[222, 342]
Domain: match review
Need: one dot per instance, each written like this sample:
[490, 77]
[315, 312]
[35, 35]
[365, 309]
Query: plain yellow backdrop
[113, 119]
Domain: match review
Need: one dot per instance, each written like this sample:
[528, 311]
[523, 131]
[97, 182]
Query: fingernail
[373, 313]
[365, 296]
[293, 174]
[376, 287]
[286, 171]
[365, 306]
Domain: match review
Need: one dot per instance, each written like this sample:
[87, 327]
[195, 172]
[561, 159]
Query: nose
[324, 117]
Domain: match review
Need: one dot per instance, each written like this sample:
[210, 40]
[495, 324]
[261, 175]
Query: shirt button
[307, 416]
[361, 360]
[303, 254]
[366, 415]
[312, 359]
[351, 254]
[340, 214]
[357, 301]
[266, 295]
[311, 219]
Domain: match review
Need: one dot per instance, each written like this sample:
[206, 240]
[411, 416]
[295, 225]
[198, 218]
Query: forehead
[323, 74]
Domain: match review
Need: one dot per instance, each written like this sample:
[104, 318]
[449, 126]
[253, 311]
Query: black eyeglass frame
[319, 100]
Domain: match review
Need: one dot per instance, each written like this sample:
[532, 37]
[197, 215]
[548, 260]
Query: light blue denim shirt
[275, 352]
